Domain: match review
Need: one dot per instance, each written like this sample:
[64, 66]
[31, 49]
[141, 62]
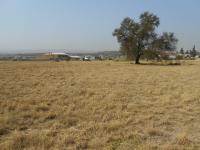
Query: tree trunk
[137, 59]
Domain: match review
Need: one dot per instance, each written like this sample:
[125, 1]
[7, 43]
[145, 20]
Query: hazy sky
[87, 25]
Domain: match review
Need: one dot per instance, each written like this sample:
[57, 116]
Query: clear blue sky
[87, 25]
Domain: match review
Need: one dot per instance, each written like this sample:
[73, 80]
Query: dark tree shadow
[161, 64]
[165, 63]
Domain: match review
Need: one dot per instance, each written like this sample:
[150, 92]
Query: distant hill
[103, 53]
[33, 55]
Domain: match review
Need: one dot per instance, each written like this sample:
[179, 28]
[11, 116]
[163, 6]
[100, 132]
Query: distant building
[187, 56]
[168, 55]
[57, 56]
[75, 57]
[88, 58]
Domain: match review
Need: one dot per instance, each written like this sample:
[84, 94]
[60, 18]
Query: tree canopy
[193, 52]
[182, 51]
[137, 37]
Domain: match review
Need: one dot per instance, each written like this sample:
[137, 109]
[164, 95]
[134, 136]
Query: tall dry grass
[99, 105]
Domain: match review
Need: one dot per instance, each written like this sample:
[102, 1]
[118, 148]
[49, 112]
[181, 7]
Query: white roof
[57, 53]
[75, 56]
[63, 54]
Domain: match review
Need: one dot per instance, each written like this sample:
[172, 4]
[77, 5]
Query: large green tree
[137, 37]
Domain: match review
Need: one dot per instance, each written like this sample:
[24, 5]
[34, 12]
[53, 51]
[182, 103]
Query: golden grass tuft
[182, 139]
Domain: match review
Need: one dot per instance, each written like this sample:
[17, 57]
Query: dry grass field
[99, 105]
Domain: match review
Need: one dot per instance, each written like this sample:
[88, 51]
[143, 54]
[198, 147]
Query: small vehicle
[88, 58]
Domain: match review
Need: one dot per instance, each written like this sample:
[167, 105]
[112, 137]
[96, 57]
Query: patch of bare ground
[99, 105]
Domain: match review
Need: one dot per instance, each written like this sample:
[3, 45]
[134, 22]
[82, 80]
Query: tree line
[192, 52]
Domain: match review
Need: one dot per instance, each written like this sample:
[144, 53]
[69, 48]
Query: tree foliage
[182, 51]
[137, 37]
[193, 52]
[151, 55]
